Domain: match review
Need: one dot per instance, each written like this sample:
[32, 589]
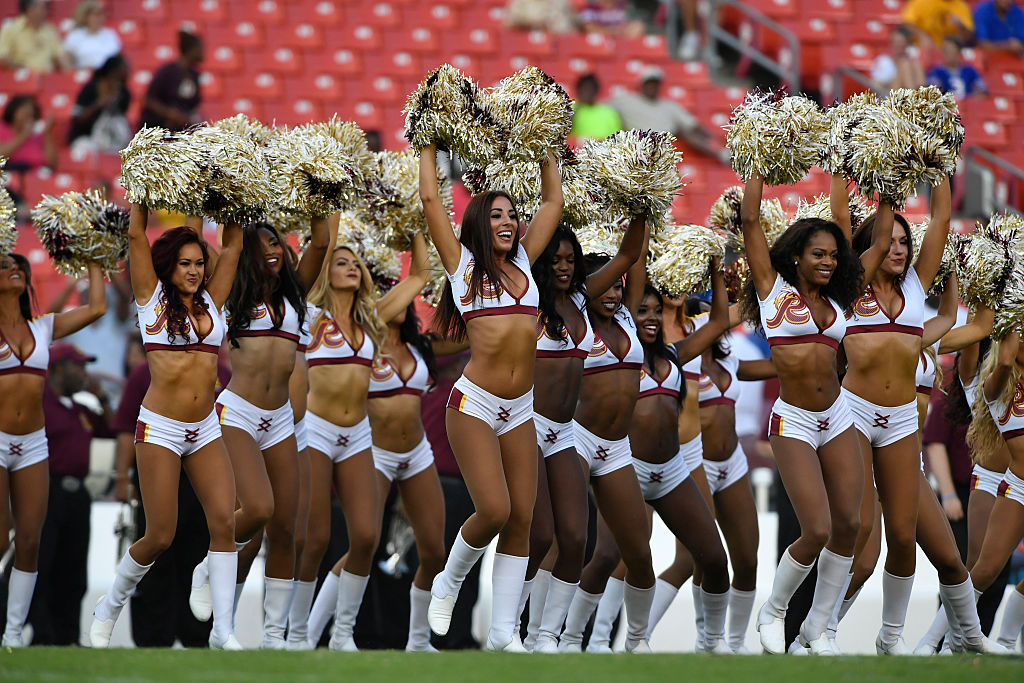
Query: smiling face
[648, 319]
[606, 304]
[504, 225]
[895, 262]
[273, 252]
[12, 277]
[189, 270]
[344, 273]
[564, 265]
[818, 260]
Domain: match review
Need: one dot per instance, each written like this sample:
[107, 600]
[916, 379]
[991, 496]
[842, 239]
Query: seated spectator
[24, 138]
[902, 68]
[554, 16]
[590, 118]
[646, 110]
[936, 19]
[173, 97]
[29, 41]
[610, 17]
[689, 42]
[999, 25]
[91, 43]
[954, 75]
[99, 121]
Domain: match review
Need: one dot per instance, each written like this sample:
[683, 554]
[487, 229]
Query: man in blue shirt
[999, 24]
[953, 75]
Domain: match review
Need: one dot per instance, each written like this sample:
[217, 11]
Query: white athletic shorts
[500, 414]
[882, 425]
[301, 435]
[985, 480]
[722, 474]
[18, 451]
[183, 438]
[337, 443]
[267, 427]
[601, 455]
[553, 437]
[1012, 487]
[403, 466]
[692, 452]
[657, 481]
[813, 428]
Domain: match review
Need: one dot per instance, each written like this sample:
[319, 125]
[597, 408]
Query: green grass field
[129, 666]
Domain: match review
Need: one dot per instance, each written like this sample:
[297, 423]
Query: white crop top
[261, 323]
[670, 385]
[601, 358]
[925, 377]
[786, 319]
[691, 368]
[495, 300]
[328, 345]
[153, 323]
[386, 380]
[867, 314]
[711, 394]
[38, 361]
[304, 336]
[972, 388]
[1009, 417]
[567, 346]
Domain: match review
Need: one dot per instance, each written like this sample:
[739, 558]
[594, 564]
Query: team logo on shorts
[789, 307]
[191, 435]
[552, 435]
[503, 414]
[16, 448]
[882, 420]
[264, 425]
[655, 477]
[823, 424]
[601, 453]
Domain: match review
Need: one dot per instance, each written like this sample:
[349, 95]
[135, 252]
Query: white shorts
[403, 466]
[22, 450]
[553, 437]
[183, 438]
[657, 481]
[882, 425]
[500, 414]
[1012, 487]
[601, 455]
[301, 436]
[693, 453]
[722, 474]
[266, 427]
[985, 480]
[337, 443]
[813, 428]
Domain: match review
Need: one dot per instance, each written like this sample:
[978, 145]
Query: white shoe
[898, 649]
[514, 646]
[834, 644]
[689, 46]
[273, 644]
[439, 611]
[773, 633]
[99, 630]
[200, 598]
[13, 641]
[743, 650]
[924, 651]
[428, 648]
[721, 648]
[545, 646]
[347, 645]
[795, 648]
[230, 644]
[298, 645]
[598, 649]
[819, 646]
[641, 648]
[569, 648]
[986, 646]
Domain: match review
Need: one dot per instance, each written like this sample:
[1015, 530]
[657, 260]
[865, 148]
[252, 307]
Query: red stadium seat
[209, 11]
[342, 61]
[211, 85]
[379, 14]
[131, 32]
[320, 12]
[143, 10]
[834, 9]
[419, 39]
[263, 86]
[269, 12]
[224, 59]
[591, 45]
[1007, 83]
[440, 16]
[776, 9]
[303, 37]
[245, 34]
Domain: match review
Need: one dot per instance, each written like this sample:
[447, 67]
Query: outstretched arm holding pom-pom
[545, 220]
[690, 346]
[934, 242]
[71, 321]
[440, 226]
[754, 241]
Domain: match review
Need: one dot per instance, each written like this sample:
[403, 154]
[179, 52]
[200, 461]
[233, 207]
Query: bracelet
[121, 477]
[948, 496]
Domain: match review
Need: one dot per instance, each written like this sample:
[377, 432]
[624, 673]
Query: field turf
[129, 666]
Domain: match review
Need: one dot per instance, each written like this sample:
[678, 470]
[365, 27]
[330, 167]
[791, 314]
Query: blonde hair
[83, 10]
[364, 307]
[983, 435]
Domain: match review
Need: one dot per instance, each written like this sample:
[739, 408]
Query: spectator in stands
[25, 139]
[936, 19]
[902, 68]
[29, 41]
[689, 42]
[173, 97]
[647, 110]
[64, 547]
[554, 16]
[592, 119]
[954, 75]
[999, 25]
[90, 43]
[610, 17]
[99, 119]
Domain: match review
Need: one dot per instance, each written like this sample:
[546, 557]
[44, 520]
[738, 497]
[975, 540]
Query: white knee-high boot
[20, 588]
[607, 610]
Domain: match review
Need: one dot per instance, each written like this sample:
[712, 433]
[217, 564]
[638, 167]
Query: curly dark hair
[476, 237]
[165, 251]
[843, 287]
[27, 299]
[544, 276]
[958, 406]
[863, 235]
[658, 348]
[255, 284]
[411, 333]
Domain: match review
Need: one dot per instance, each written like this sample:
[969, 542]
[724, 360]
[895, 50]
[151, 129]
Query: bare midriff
[181, 384]
[653, 434]
[261, 368]
[807, 375]
[21, 403]
[503, 351]
[337, 393]
[881, 366]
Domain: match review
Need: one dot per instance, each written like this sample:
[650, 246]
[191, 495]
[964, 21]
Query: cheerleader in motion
[798, 291]
[24, 474]
[179, 304]
[265, 312]
[564, 339]
[491, 299]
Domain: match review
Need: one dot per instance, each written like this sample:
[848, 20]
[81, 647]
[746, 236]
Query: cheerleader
[265, 313]
[179, 304]
[564, 339]
[798, 291]
[24, 473]
[491, 300]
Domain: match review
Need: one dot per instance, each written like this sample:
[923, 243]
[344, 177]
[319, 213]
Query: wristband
[948, 496]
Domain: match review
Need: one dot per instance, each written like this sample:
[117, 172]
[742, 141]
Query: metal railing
[790, 76]
[978, 156]
[852, 74]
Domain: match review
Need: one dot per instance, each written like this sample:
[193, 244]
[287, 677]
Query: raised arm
[406, 291]
[440, 226]
[756, 370]
[636, 278]
[545, 220]
[996, 382]
[966, 337]
[72, 321]
[223, 276]
[627, 255]
[754, 242]
[881, 239]
[694, 344]
[936, 328]
[312, 261]
[140, 258]
[839, 203]
[934, 241]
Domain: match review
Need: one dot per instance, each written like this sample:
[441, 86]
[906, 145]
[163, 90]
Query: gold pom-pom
[163, 170]
[1010, 311]
[839, 116]
[438, 276]
[985, 262]
[881, 154]
[8, 215]
[238, 190]
[534, 112]
[402, 217]
[81, 227]
[820, 207]
[947, 266]
[681, 259]
[601, 239]
[779, 138]
[735, 275]
[725, 217]
[241, 124]
[312, 174]
[937, 115]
